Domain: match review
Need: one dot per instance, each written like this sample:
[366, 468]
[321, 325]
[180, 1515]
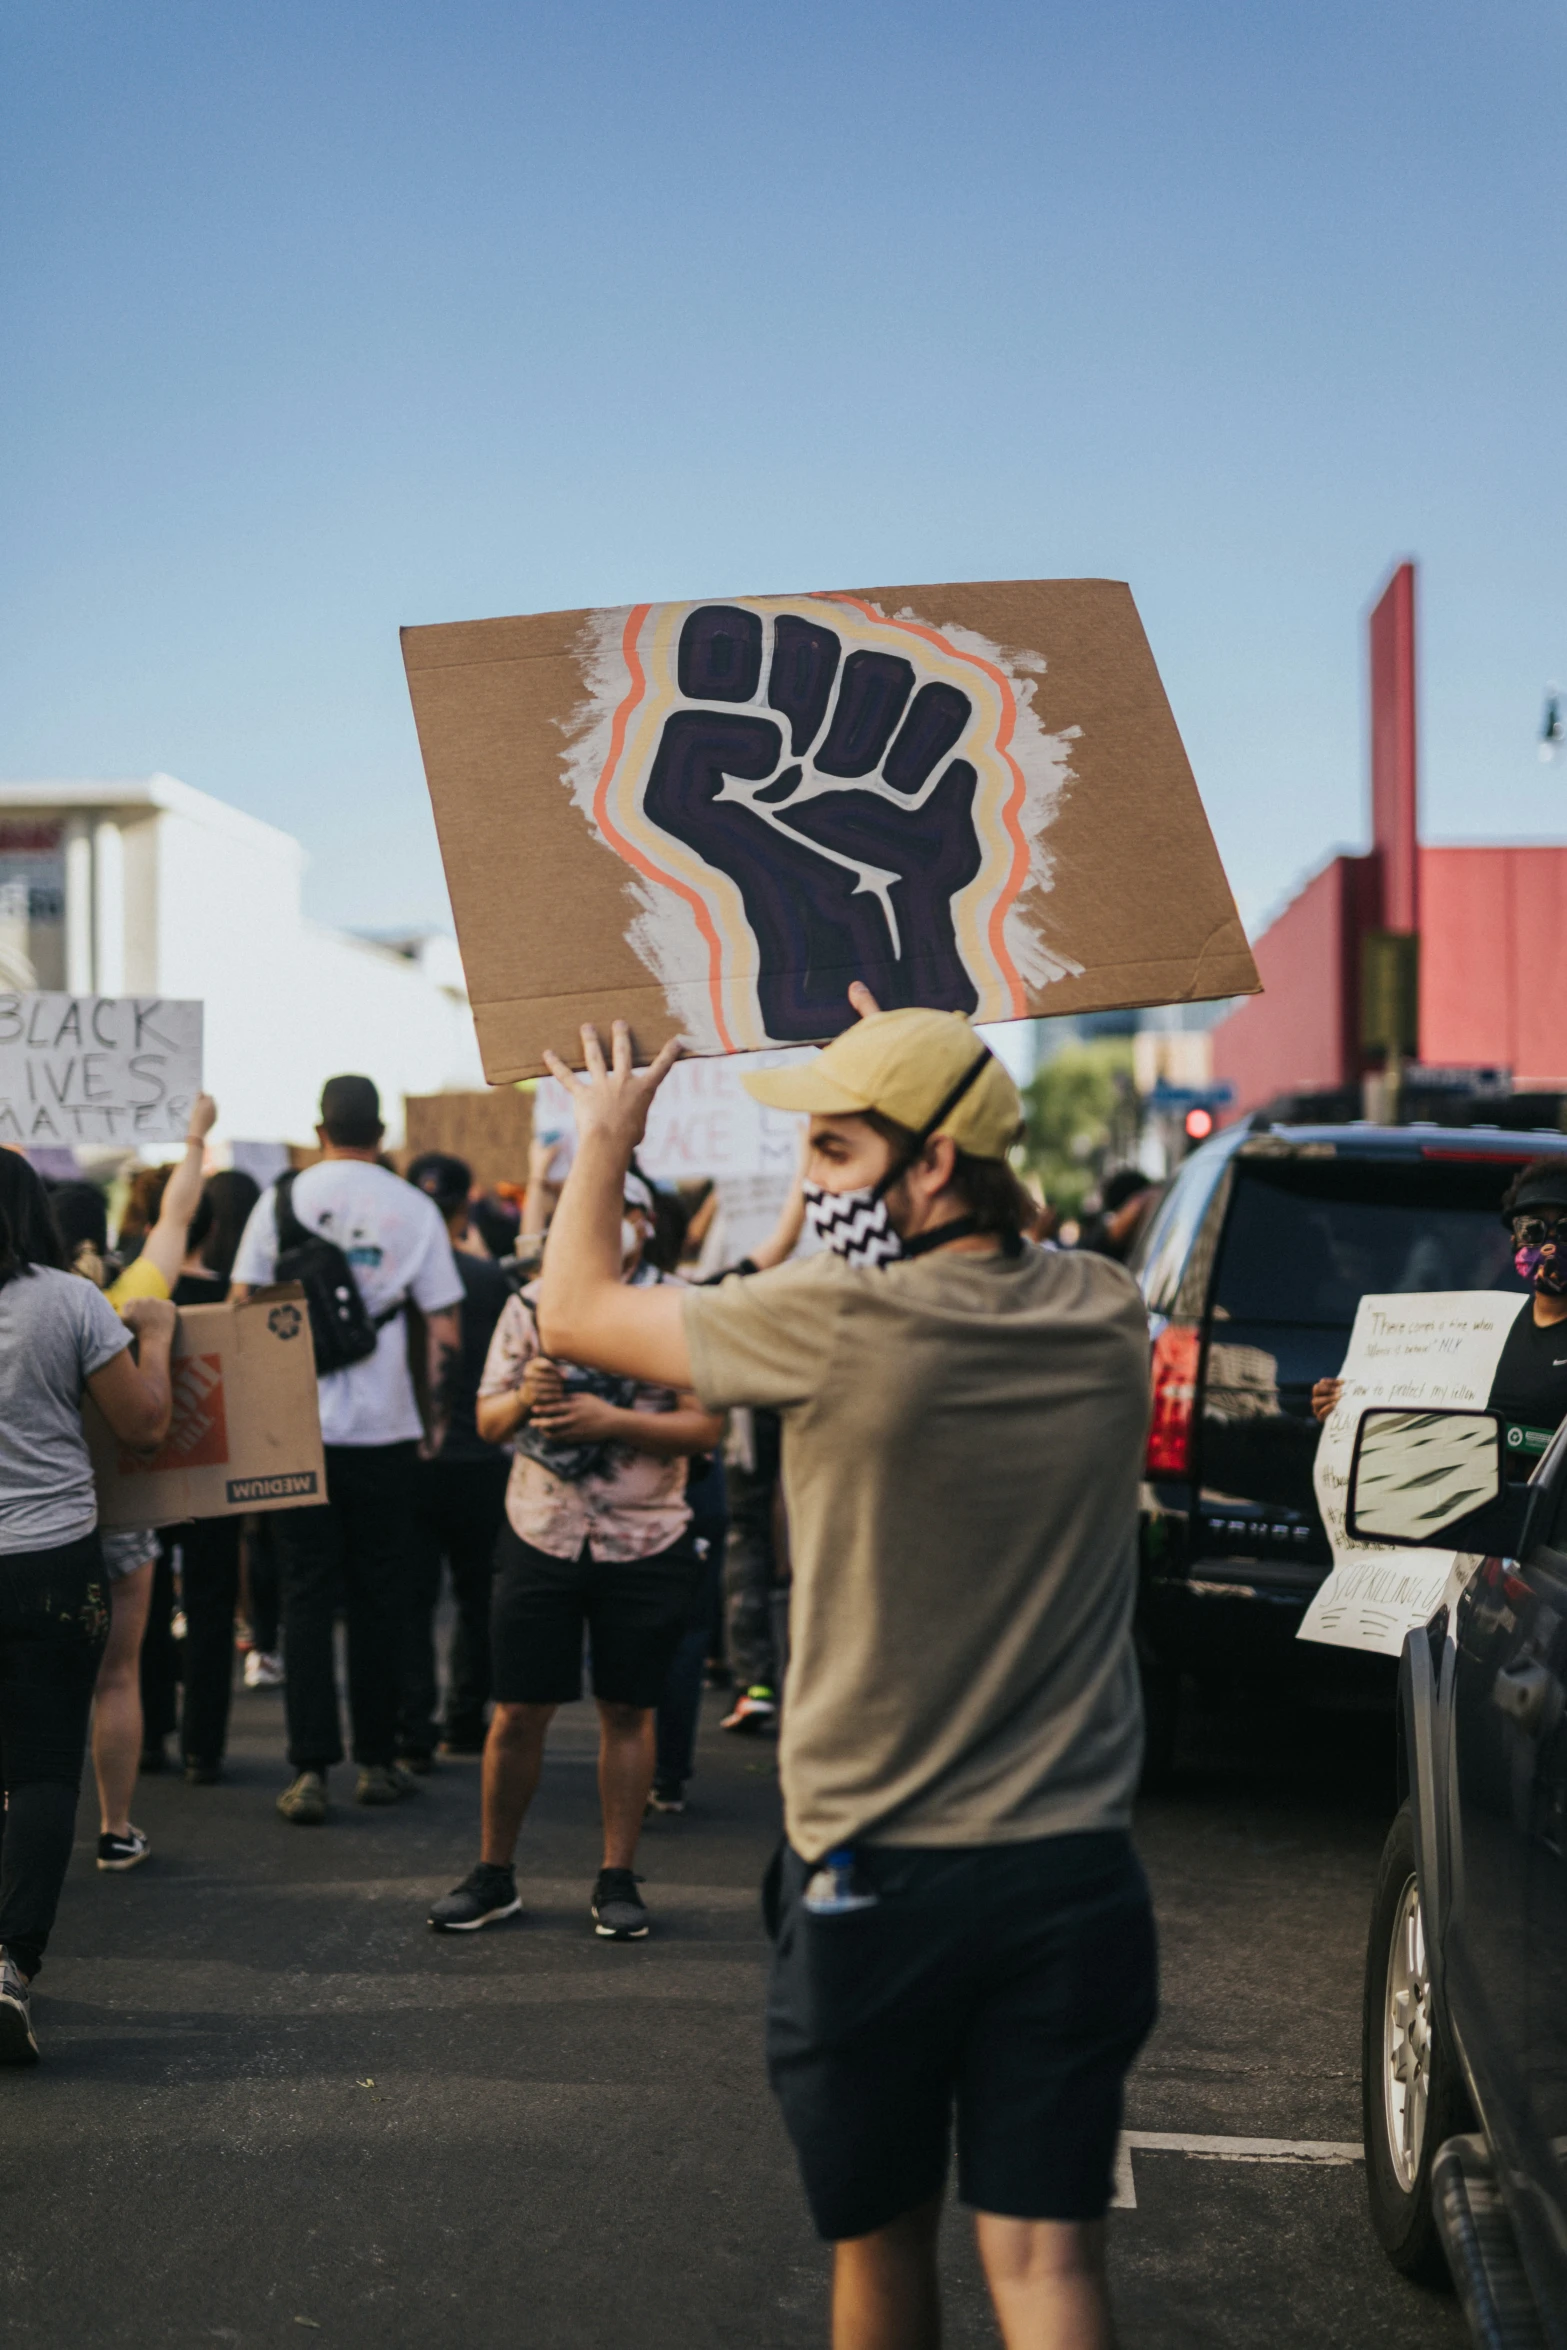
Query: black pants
[680, 1707]
[159, 1663]
[54, 1620]
[357, 1548]
[750, 1562]
[265, 1582]
[458, 1508]
[209, 1588]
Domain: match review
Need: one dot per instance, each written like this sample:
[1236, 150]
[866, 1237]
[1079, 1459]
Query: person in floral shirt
[596, 1539]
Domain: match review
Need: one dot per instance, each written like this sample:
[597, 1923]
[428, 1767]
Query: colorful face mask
[1539, 1257]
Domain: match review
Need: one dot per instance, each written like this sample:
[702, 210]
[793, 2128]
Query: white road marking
[1333, 2153]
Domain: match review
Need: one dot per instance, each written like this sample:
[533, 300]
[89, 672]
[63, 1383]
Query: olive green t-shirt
[963, 1440]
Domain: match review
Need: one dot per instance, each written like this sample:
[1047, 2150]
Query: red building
[1492, 925]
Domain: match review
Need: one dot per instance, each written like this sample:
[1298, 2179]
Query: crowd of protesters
[609, 1481]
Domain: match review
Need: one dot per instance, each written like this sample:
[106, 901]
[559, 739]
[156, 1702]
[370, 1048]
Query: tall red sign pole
[1395, 812]
[1390, 968]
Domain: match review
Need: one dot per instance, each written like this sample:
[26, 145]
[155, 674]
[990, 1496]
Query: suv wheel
[1411, 2092]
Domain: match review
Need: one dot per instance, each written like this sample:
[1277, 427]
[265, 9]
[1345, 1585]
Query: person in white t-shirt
[360, 1539]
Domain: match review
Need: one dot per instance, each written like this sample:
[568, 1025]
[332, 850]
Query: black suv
[1466, 1966]
[1252, 1269]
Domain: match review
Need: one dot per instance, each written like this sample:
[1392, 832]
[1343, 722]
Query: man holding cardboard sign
[963, 1926]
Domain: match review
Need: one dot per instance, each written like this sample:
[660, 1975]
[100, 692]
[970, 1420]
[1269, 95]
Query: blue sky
[322, 318]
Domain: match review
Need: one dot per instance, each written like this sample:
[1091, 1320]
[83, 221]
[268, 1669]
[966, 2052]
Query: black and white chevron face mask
[855, 1225]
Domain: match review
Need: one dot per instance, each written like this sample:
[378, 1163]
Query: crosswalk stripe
[1334, 2153]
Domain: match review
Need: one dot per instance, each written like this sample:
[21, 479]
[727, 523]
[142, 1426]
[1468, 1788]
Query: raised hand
[613, 1100]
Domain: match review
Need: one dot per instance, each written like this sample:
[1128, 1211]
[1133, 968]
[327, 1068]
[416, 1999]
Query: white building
[150, 888]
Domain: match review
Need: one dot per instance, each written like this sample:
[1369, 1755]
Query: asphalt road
[275, 2107]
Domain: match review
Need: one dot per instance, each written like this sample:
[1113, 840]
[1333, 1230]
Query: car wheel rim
[1406, 2040]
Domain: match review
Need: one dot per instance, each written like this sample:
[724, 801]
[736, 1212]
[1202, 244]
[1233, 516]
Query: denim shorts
[1000, 1990]
[125, 1548]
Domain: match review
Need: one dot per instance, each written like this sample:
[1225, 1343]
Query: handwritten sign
[97, 1069]
[1438, 1348]
[702, 1123]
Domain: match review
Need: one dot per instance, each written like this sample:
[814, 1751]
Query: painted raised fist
[829, 815]
[810, 790]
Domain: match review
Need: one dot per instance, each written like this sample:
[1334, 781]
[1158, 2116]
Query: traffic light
[1199, 1123]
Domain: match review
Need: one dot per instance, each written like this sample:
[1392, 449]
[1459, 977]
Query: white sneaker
[263, 1671]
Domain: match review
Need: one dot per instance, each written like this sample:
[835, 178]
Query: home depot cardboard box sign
[710, 817]
[246, 1432]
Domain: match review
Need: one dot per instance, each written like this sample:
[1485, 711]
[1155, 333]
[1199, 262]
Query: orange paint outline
[624, 848]
[1012, 887]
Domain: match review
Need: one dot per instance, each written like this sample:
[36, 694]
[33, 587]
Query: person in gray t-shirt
[59, 1339]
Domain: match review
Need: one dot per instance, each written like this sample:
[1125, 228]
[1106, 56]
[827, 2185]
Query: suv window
[1305, 1240]
[1159, 1263]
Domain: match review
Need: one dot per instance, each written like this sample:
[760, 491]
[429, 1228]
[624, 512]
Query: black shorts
[635, 1612]
[1008, 1984]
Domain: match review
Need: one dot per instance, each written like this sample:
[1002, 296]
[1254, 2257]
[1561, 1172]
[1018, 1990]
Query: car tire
[1161, 1722]
[1412, 2094]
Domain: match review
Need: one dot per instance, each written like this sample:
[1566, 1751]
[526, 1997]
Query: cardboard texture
[491, 1131]
[246, 1433]
[709, 817]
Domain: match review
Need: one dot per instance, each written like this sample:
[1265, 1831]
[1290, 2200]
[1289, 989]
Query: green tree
[1079, 1111]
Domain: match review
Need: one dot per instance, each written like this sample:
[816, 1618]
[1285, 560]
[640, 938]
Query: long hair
[27, 1233]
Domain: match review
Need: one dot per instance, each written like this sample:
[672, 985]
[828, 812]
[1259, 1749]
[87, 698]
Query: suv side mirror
[1434, 1480]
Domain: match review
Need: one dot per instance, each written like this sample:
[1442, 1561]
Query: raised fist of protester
[612, 1101]
[203, 1117]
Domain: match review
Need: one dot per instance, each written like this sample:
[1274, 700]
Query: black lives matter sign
[97, 1069]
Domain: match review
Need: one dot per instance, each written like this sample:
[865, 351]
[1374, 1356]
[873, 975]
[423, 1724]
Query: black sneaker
[486, 1894]
[668, 1795]
[123, 1852]
[201, 1774]
[619, 1912]
[17, 2045]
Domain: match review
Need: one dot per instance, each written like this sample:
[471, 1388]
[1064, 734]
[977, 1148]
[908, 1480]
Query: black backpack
[342, 1328]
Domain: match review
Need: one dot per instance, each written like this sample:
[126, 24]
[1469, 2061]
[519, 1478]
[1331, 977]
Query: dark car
[1464, 2067]
[1252, 1270]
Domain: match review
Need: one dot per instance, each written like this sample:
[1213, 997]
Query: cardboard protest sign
[702, 1123]
[710, 817]
[246, 1432]
[491, 1131]
[97, 1069]
[1441, 1347]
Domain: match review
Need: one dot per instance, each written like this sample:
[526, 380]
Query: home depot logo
[198, 1435]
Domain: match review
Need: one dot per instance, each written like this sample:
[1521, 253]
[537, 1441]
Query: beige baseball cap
[906, 1065]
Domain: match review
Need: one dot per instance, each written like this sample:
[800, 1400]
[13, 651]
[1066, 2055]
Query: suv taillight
[1175, 1356]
